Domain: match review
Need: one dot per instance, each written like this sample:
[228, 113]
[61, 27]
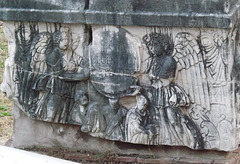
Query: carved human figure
[52, 89]
[136, 130]
[69, 44]
[40, 75]
[55, 86]
[87, 114]
[174, 125]
[76, 66]
[92, 119]
[114, 114]
[79, 110]
[73, 58]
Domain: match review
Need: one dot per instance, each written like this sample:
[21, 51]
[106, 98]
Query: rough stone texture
[164, 6]
[187, 13]
[44, 4]
[43, 10]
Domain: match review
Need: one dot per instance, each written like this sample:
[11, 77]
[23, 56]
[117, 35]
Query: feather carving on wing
[190, 72]
[38, 52]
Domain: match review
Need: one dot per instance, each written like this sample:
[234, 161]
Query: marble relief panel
[143, 85]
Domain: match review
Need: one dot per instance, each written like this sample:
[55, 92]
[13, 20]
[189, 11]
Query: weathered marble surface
[165, 13]
[143, 85]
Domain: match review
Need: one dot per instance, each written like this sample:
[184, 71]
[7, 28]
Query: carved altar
[123, 72]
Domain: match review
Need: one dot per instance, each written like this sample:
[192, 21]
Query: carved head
[158, 44]
[61, 38]
[142, 103]
[57, 37]
[64, 43]
[81, 97]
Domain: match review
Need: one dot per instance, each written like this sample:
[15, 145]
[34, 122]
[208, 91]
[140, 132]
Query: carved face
[158, 44]
[81, 98]
[64, 42]
[141, 103]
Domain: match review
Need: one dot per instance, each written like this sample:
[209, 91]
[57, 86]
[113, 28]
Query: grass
[4, 111]
[3, 52]
[6, 118]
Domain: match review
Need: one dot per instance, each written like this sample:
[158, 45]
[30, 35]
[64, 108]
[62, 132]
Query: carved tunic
[135, 130]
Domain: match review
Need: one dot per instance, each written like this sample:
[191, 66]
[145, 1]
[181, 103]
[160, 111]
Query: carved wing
[190, 72]
[38, 52]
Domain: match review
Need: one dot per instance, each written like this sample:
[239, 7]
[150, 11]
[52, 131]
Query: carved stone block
[150, 85]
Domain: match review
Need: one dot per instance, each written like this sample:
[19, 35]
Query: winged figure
[172, 66]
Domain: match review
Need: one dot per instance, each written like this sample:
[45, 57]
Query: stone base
[29, 133]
